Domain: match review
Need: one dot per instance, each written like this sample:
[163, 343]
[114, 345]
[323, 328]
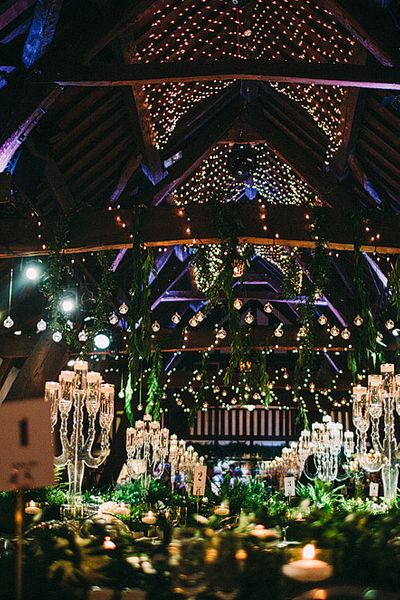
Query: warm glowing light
[309, 552]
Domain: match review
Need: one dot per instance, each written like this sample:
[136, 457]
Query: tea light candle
[299, 517]
[149, 518]
[221, 510]
[32, 508]
[108, 544]
[122, 509]
[308, 568]
[260, 532]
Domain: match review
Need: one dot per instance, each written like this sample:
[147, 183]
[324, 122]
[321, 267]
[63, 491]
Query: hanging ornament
[285, 374]
[216, 389]
[155, 326]
[312, 387]
[200, 316]
[41, 326]
[358, 321]
[345, 334]
[279, 331]
[83, 335]
[123, 309]
[190, 389]
[233, 401]
[389, 324]
[8, 322]
[317, 295]
[322, 319]
[268, 308]
[113, 319]
[221, 334]
[334, 331]
[176, 318]
[302, 332]
[224, 393]
[249, 318]
[198, 376]
[193, 322]
[237, 303]
[57, 336]
[238, 267]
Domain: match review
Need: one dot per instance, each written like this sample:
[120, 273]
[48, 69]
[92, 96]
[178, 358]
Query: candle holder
[80, 400]
[307, 564]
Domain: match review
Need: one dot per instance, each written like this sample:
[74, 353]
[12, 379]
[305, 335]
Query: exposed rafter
[108, 75]
[164, 226]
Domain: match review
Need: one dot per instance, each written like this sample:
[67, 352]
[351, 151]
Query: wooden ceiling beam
[352, 110]
[115, 75]
[327, 189]
[357, 29]
[22, 117]
[164, 226]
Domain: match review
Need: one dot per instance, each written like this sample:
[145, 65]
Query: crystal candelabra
[149, 447]
[78, 398]
[286, 464]
[379, 402]
[325, 443]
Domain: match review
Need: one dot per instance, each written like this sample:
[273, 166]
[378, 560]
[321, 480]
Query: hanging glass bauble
[249, 318]
[121, 393]
[322, 319]
[156, 326]
[278, 331]
[334, 331]
[57, 336]
[268, 308]
[83, 336]
[312, 387]
[200, 316]
[216, 389]
[237, 303]
[302, 332]
[8, 322]
[176, 318]
[113, 319]
[345, 334]
[221, 333]
[41, 325]
[123, 309]
[193, 322]
[358, 321]
[389, 324]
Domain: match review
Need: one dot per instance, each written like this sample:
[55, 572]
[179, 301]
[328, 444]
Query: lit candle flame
[309, 552]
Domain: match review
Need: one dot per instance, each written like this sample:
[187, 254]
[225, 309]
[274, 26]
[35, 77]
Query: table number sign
[199, 480]
[26, 457]
[374, 490]
[290, 486]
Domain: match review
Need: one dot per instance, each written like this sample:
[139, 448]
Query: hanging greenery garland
[365, 352]
[139, 315]
[154, 388]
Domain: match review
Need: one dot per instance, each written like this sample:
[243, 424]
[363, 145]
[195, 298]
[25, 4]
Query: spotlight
[68, 302]
[32, 271]
[101, 341]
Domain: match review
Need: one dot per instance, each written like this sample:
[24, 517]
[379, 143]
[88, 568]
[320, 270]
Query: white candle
[149, 518]
[222, 510]
[260, 532]
[308, 568]
[32, 508]
[122, 509]
[108, 544]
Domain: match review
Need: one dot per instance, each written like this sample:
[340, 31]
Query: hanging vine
[139, 316]
[154, 389]
[365, 346]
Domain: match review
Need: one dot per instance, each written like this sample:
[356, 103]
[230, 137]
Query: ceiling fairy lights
[206, 30]
[274, 181]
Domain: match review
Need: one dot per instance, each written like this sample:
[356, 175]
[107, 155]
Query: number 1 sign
[26, 455]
